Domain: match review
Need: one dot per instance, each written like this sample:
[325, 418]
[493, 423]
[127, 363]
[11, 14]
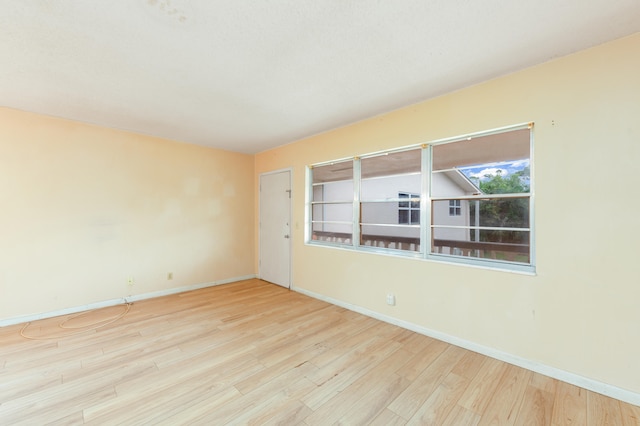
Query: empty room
[315, 213]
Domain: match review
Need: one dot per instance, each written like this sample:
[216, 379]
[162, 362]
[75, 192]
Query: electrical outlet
[130, 281]
[169, 275]
[391, 299]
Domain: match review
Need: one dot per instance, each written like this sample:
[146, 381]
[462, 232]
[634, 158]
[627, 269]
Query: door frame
[291, 226]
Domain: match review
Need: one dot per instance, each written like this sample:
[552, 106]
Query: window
[466, 199]
[332, 202]
[492, 189]
[455, 208]
[408, 208]
[381, 176]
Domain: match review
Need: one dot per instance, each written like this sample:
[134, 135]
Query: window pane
[503, 213]
[317, 212]
[390, 237]
[443, 214]
[332, 233]
[495, 148]
[499, 213]
[403, 216]
[334, 172]
[382, 213]
[506, 237]
[333, 191]
[339, 212]
[332, 203]
[393, 163]
[490, 246]
[415, 217]
[376, 232]
[456, 236]
[386, 176]
[492, 164]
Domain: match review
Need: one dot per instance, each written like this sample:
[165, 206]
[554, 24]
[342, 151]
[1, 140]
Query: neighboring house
[451, 183]
[387, 214]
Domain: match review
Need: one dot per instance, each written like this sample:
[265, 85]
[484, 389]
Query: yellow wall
[581, 312]
[82, 208]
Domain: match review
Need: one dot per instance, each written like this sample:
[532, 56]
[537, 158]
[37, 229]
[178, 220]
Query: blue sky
[486, 171]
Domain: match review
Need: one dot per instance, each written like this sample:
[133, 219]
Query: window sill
[516, 268]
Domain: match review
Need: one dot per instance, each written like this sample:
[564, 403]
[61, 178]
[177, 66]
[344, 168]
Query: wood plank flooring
[255, 353]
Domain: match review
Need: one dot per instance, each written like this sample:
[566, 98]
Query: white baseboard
[113, 302]
[556, 373]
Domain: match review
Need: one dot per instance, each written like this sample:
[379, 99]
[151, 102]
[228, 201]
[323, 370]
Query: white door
[275, 228]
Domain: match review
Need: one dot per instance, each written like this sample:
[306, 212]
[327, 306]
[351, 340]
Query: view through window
[468, 198]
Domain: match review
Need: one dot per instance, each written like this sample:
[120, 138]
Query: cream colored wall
[581, 312]
[83, 208]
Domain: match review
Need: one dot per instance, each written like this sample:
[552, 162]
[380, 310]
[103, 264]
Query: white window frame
[425, 251]
[410, 199]
[455, 207]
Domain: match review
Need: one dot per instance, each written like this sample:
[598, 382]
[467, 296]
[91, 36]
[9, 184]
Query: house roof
[248, 76]
[465, 184]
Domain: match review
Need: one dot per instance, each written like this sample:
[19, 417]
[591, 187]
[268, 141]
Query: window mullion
[308, 197]
[425, 204]
[356, 202]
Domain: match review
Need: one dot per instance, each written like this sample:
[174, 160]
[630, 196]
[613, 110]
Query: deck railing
[477, 249]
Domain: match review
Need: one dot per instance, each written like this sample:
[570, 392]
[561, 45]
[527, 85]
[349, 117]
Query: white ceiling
[250, 75]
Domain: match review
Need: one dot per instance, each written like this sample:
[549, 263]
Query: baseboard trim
[556, 373]
[114, 302]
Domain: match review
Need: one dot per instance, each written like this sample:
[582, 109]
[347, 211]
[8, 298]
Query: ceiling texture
[250, 75]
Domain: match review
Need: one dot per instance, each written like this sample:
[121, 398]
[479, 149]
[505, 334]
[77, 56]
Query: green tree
[517, 182]
[510, 212]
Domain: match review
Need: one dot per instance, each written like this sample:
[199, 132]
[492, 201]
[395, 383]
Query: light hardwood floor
[255, 353]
